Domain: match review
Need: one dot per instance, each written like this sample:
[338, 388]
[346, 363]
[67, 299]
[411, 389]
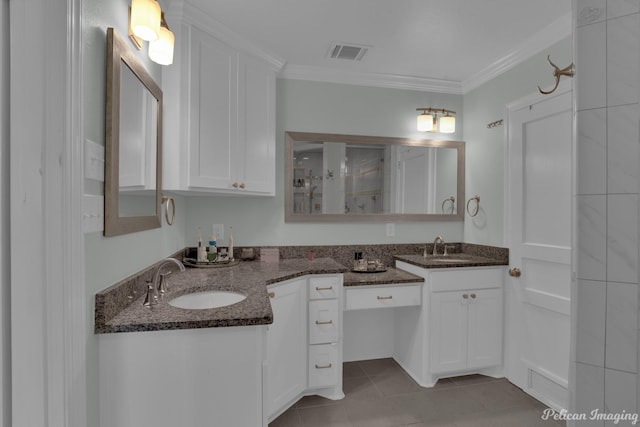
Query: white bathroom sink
[207, 299]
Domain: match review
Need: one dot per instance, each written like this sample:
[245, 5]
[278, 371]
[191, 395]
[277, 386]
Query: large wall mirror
[133, 162]
[331, 177]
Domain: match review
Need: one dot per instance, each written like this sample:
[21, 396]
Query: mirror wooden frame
[290, 216]
[114, 224]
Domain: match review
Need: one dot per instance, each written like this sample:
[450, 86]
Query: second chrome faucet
[437, 240]
[158, 284]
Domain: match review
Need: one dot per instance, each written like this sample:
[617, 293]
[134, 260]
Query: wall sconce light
[161, 50]
[147, 23]
[428, 120]
[145, 19]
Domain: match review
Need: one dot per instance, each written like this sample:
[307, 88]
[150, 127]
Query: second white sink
[207, 299]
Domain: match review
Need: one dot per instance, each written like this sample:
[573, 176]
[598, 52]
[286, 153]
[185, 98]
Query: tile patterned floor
[380, 394]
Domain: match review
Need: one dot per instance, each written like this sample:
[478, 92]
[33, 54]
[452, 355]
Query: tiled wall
[607, 41]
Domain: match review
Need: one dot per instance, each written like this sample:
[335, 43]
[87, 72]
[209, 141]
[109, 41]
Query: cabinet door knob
[242, 185]
[515, 272]
[272, 294]
[473, 296]
[465, 296]
[234, 185]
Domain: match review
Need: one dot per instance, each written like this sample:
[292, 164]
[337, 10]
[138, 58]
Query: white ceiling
[451, 41]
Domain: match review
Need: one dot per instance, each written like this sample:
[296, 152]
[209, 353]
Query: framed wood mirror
[133, 157]
[349, 178]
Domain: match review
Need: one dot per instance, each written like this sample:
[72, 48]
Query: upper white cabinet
[220, 124]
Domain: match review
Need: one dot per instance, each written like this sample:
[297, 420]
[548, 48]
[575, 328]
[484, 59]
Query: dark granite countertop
[391, 276]
[451, 261]
[119, 308]
[248, 278]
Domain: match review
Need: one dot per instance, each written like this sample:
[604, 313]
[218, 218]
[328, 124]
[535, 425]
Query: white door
[539, 212]
[416, 170]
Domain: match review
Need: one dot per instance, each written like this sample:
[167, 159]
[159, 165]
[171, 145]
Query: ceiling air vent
[347, 51]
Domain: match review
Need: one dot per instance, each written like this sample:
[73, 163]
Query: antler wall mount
[557, 73]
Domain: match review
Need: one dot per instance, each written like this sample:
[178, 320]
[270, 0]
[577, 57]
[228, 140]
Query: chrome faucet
[435, 242]
[158, 285]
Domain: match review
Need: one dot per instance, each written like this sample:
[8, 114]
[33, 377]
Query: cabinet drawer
[467, 278]
[323, 321]
[324, 287]
[323, 365]
[382, 296]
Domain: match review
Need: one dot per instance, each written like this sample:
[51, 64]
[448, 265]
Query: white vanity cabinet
[463, 322]
[196, 377]
[286, 358]
[466, 330]
[325, 336]
[221, 138]
[304, 342]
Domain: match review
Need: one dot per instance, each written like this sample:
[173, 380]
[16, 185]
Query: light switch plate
[391, 229]
[92, 213]
[218, 230]
[93, 161]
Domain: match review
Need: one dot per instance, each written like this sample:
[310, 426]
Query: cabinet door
[255, 154]
[485, 328]
[286, 345]
[448, 331]
[212, 112]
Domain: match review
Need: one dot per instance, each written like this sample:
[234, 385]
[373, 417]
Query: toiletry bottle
[212, 244]
[230, 249]
[202, 251]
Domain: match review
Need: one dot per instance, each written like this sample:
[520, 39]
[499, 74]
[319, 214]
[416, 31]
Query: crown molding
[551, 34]
[187, 13]
[391, 81]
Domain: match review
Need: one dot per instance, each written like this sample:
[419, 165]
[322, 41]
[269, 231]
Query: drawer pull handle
[473, 296]
[328, 288]
[328, 322]
[323, 366]
[389, 297]
[272, 294]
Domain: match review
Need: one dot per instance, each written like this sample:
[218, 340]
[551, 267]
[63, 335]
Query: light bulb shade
[161, 50]
[145, 19]
[447, 124]
[425, 122]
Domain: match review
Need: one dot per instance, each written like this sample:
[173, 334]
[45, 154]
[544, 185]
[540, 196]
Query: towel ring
[169, 200]
[451, 200]
[475, 212]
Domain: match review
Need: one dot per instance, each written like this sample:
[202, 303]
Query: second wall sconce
[428, 120]
[147, 23]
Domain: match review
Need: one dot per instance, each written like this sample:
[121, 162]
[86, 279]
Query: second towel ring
[475, 211]
[451, 200]
[169, 200]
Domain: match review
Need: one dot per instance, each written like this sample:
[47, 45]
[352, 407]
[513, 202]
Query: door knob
[514, 272]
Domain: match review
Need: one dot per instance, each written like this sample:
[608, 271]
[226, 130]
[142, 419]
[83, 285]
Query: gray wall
[108, 260]
[486, 147]
[331, 108]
